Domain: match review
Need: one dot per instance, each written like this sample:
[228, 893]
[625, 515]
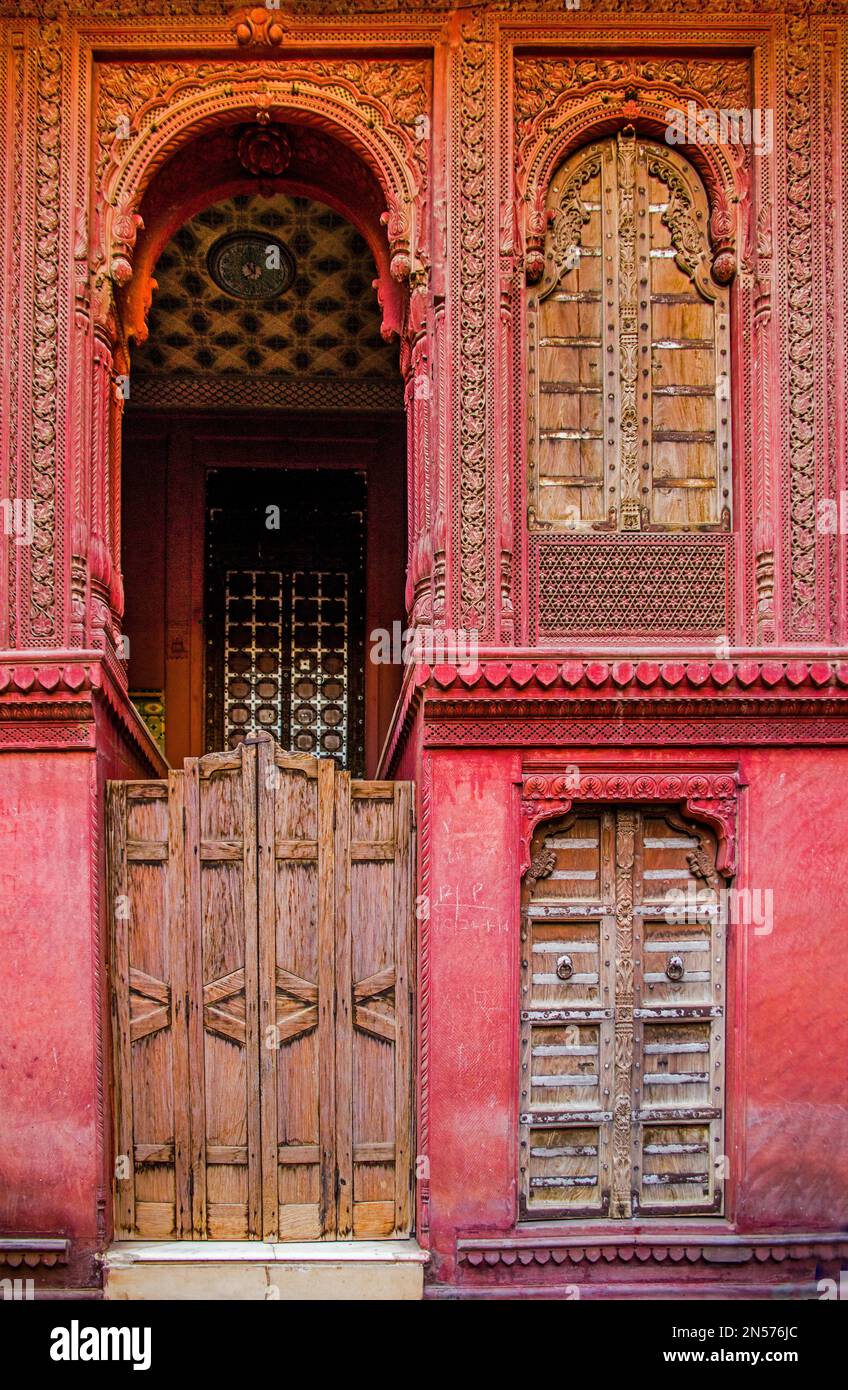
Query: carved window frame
[551, 801]
[627, 326]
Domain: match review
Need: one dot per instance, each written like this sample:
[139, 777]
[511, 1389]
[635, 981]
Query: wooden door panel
[149, 1025]
[622, 1056]
[373, 1040]
[296, 989]
[628, 315]
[262, 987]
[220, 795]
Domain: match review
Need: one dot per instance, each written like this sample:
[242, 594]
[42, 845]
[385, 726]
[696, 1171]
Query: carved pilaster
[628, 331]
[622, 1100]
[802, 616]
[47, 390]
[763, 329]
[473, 357]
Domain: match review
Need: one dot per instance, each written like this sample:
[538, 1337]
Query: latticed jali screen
[631, 586]
[286, 644]
[285, 638]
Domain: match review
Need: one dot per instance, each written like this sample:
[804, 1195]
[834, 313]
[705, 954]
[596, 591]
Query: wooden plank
[361, 850]
[253, 1038]
[224, 988]
[226, 1153]
[220, 851]
[306, 850]
[378, 1025]
[142, 1026]
[374, 1220]
[378, 983]
[343, 1040]
[153, 1153]
[117, 898]
[403, 948]
[294, 1025]
[269, 1033]
[146, 791]
[304, 990]
[300, 1153]
[149, 986]
[195, 1009]
[374, 1153]
[146, 851]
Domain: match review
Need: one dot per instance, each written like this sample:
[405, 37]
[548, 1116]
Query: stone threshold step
[123, 1252]
[261, 1270]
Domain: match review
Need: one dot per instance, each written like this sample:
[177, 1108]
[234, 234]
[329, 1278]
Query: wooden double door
[262, 995]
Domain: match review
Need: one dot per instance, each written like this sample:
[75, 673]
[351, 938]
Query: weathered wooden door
[262, 1000]
[622, 1017]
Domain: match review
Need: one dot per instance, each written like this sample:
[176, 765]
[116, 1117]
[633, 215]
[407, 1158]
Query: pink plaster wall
[48, 1110]
[787, 1010]
[794, 1056]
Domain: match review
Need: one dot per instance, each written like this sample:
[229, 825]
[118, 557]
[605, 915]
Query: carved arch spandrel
[367, 109]
[562, 106]
[709, 797]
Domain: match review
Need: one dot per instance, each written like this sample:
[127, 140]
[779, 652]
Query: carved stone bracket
[259, 27]
[706, 796]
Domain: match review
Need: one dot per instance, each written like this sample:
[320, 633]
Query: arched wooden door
[262, 993]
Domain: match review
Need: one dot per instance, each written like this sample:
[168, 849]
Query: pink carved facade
[719, 684]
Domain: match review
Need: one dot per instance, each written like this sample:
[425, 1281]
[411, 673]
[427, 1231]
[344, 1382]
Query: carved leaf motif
[688, 241]
[543, 864]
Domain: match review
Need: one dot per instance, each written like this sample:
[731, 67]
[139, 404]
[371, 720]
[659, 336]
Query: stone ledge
[264, 1271]
[32, 1251]
[695, 1248]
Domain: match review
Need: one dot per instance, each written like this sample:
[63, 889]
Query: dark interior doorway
[285, 638]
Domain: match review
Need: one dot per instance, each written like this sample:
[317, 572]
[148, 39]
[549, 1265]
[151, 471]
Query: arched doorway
[263, 489]
[262, 442]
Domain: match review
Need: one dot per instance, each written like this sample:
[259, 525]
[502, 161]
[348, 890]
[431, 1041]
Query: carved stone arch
[722, 169]
[201, 105]
[706, 797]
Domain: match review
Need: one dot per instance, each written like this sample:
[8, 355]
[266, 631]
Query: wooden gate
[262, 1000]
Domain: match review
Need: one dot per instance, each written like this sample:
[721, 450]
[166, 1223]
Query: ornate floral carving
[631, 512]
[568, 219]
[473, 371]
[541, 865]
[551, 97]
[264, 150]
[128, 90]
[380, 103]
[542, 83]
[45, 331]
[801, 360]
[710, 796]
[126, 225]
[622, 1104]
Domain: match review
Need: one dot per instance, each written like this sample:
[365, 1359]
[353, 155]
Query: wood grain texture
[629, 349]
[262, 1000]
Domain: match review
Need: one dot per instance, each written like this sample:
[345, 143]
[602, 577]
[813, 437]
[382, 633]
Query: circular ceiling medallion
[251, 265]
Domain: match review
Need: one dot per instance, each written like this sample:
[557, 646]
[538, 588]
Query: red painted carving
[260, 25]
[707, 796]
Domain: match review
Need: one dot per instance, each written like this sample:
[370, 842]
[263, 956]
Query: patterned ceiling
[326, 325]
